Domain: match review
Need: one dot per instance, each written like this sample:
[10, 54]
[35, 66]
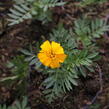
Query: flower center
[51, 55]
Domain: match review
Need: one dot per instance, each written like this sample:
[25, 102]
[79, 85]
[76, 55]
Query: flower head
[51, 54]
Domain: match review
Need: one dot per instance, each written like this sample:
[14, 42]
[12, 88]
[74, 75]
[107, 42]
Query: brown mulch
[20, 36]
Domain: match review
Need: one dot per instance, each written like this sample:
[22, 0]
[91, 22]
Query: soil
[13, 38]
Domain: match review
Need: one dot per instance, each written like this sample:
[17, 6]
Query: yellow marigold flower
[51, 54]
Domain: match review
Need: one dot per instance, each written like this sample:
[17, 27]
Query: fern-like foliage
[32, 59]
[91, 2]
[19, 69]
[63, 79]
[87, 30]
[23, 1]
[18, 105]
[19, 13]
[78, 61]
[18, 1]
[28, 9]
[63, 36]
[18, 66]
[46, 4]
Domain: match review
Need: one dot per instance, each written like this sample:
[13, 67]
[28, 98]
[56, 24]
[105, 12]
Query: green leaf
[10, 64]
[24, 102]
[30, 58]
[9, 78]
[26, 52]
[33, 61]
[92, 55]
[82, 71]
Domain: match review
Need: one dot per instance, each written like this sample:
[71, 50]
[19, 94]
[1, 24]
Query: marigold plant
[62, 71]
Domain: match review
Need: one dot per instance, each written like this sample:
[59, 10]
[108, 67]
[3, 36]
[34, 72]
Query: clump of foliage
[19, 69]
[77, 63]
[87, 30]
[95, 106]
[79, 59]
[17, 105]
[91, 2]
[32, 9]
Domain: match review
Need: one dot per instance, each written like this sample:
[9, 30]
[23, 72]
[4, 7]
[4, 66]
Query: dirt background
[20, 36]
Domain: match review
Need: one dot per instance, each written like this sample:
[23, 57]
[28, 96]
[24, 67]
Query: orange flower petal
[44, 59]
[46, 46]
[61, 57]
[54, 64]
[56, 48]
